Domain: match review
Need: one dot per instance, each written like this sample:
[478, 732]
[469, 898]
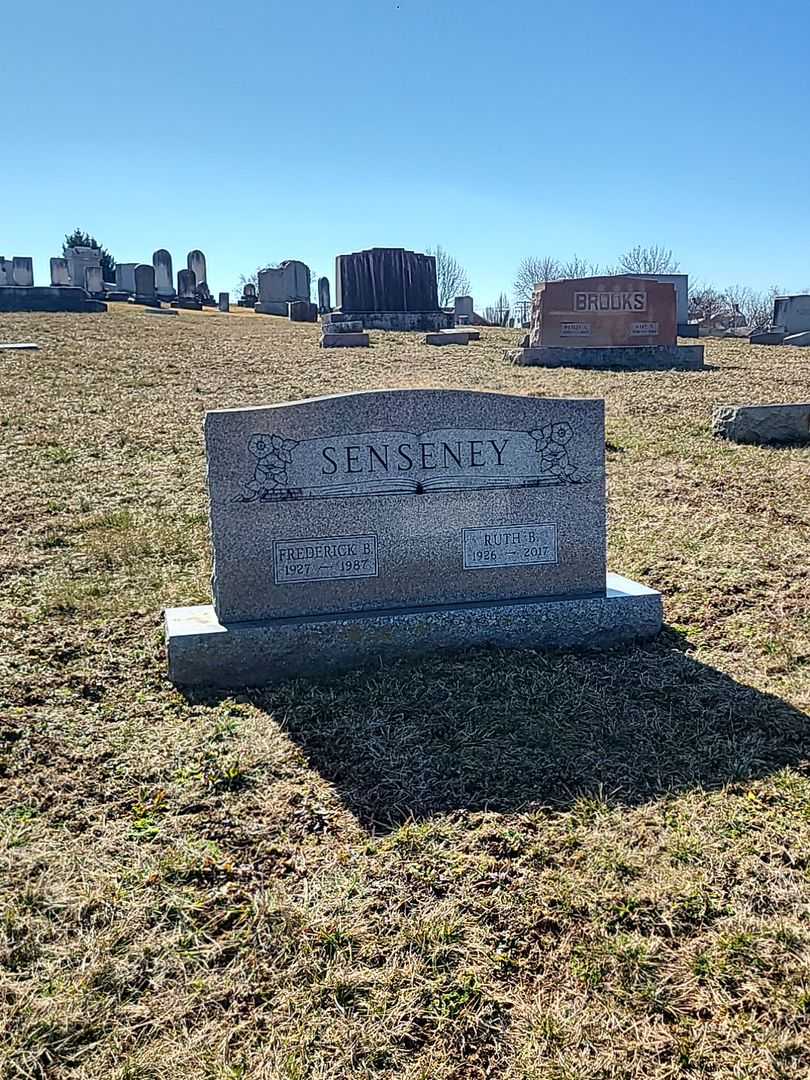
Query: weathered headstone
[195, 262]
[60, 275]
[187, 291]
[79, 260]
[390, 289]
[463, 308]
[94, 280]
[6, 271]
[125, 276]
[279, 286]
[186, 283]
[224, 301]
[368, 526]
[145, 284]
[791, 314]
[303, 311]
[778, 425]
[248, 297]
[164, 274]
[324, 299]
[23, 270]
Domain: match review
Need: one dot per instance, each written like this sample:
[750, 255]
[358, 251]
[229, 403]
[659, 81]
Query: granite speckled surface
[204, 652]
[404, 498]
[630, 358]
[763, 424]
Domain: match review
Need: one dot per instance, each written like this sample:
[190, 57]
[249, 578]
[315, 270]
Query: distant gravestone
[463, 307]
[248, 297]
[224, 301]
[324, 299]
[164, 274]
[80, 259]
[94, 280]
[390, 289]
[791, 314]
[279, 286]
[607, 321]
[6, 271]
[187, 291]
[303, 311]
[145, 284]
[23, 270]
[186, 283]
[60, 275]
[195, 262]
[125, 276]
[359, 528]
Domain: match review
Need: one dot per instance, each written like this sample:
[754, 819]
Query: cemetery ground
[497, 864]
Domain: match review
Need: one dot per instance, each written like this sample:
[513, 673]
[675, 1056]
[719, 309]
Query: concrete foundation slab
[346, 341]
[204, 652]
[767, 337]
[448, 337]
[273, 307]
[630, 358]
[47, 298]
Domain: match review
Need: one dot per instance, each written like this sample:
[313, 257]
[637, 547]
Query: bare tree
[532, 270]
[251, 279]
[706, 302]
[451, 277]
[497, 314]
[648, 260]
[577, 267]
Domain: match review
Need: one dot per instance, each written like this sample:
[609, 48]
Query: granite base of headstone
[763, 425]
[767, 337]
[303, 311]
[800, 340]
[361, 528]
[52, 298]
[630, 358]
[354, 339]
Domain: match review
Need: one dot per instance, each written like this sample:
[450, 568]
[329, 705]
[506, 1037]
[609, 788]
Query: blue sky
[280, 130]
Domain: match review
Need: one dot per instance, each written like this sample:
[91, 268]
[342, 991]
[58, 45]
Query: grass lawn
[512, 865]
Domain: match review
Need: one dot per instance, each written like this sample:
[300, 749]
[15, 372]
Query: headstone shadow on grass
[501, 731]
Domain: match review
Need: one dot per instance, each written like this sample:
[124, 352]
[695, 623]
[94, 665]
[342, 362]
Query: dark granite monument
[390, 289]
[369, 526]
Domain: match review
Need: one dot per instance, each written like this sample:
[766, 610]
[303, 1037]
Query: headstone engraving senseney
[398, 523]
[293, 487]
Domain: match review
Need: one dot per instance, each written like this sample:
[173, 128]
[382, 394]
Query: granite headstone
[164, 274]
[60, 275]
[400, 522]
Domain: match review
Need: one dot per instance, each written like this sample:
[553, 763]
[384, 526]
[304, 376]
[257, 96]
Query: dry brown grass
[495, 865]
